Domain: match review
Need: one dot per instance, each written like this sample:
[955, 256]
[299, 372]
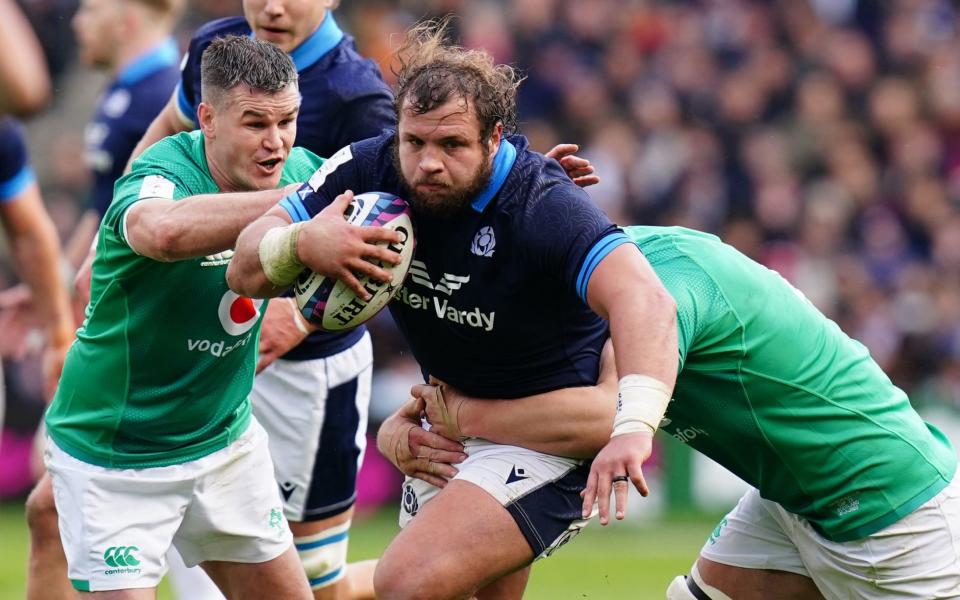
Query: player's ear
[495, 136]
[205, 114]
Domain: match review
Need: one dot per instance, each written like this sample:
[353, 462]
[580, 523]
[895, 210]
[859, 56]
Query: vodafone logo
[238, 314]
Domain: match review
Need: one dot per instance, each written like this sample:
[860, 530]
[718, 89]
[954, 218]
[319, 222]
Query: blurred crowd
[820, 137]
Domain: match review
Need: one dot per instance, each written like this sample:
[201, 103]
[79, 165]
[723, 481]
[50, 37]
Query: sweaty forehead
[454, 117]
[243, 98]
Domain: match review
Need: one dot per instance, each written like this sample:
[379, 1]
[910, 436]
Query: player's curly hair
[431, 70]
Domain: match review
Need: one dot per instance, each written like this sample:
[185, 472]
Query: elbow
[29, 101]
[237, 281]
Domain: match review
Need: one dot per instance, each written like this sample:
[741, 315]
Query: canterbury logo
[449, 283]
[121, 556]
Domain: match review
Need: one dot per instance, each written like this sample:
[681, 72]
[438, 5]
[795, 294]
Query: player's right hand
[416, 452]
[334, 248]
[442, 407]
[623, 455]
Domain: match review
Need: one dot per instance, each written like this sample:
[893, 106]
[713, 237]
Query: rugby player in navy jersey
[316, 459]
[511, 257]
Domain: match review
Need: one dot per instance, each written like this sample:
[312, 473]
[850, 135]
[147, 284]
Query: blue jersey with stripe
[494, 302]
[15, 171]
[123, 113]
[344, 99]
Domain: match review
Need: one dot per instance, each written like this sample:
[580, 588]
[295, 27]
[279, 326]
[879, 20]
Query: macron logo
[449, 283]
[517, 475]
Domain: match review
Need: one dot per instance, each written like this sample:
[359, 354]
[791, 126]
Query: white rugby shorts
[916, 557]
[315, 414]
[540, 491]
[117, 524]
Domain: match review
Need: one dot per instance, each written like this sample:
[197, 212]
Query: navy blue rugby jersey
[495, 300]
[15, 171]
[123, 113]
[344, 96]
[344, 100]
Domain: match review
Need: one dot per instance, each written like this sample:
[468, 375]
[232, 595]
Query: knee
[41, 511]
[406, 580]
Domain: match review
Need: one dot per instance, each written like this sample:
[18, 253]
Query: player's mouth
[270, 166]
[272, 33]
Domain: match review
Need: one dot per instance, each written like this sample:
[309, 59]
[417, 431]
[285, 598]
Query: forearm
[78, 246]
[195, 226]
[572, 422]
[23, 73]
[245, 274]
[36, 254]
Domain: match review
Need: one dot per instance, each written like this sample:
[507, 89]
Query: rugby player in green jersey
[853, 494]
[151, 438]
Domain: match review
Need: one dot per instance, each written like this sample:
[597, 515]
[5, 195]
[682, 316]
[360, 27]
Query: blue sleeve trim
[294, 207]
[187, 110]
[596, 254]
[14, 186]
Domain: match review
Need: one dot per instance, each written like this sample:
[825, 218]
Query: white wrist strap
[278, 254]
[298, 318]
[643, 401]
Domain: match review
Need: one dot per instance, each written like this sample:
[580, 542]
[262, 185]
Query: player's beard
[451, 201]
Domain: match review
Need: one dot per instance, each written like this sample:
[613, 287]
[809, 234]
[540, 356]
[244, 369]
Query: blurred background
[820, 137]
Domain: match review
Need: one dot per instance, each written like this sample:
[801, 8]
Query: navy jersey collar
[502, 163]
[321, 41]
[160, 56]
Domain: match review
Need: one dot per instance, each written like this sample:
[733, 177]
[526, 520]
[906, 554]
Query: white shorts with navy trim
[315, 412]
[540, 491]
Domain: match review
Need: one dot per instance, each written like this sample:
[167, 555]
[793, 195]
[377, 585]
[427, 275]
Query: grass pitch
[625, 560]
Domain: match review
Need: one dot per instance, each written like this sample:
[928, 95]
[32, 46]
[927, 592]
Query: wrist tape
[641, 404]
[278, 254]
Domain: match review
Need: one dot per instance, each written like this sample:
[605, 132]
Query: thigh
[916, 557]
[236, 514]
[463, 538]
[541, 492]
[315, 413]
[280, 578]
[752, 536]
[115, 525]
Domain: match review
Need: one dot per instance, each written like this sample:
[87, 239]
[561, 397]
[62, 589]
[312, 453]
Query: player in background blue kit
[511, 257]
[35, 250]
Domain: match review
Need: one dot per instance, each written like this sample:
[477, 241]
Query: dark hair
[431, 70]
[242, 60]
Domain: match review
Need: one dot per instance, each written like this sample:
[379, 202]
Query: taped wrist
[278, 254]
[641, 404]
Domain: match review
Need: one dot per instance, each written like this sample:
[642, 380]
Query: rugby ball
[329, 303]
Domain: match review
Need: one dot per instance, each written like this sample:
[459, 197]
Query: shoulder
[347, 73]
[300, 166]
[211, 30]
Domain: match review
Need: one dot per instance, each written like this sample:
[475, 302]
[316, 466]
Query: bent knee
[41, 511]
[402, 580]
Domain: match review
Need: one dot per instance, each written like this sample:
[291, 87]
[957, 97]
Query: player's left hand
[623, 455]
[416, 452]
[280, 332]
[442, 407]
[578, 169]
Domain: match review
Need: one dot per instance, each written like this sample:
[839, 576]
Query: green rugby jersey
[164, 361]
[775, 392]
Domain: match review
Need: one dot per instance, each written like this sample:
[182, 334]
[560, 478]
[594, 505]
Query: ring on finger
[621, 478]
